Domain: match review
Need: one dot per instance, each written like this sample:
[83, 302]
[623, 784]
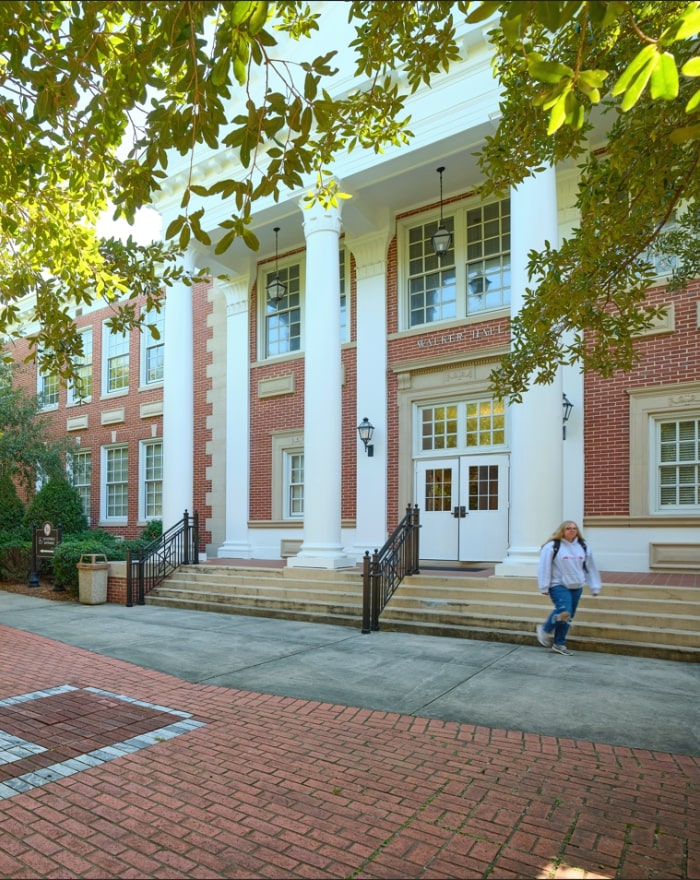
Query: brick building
[251, 418]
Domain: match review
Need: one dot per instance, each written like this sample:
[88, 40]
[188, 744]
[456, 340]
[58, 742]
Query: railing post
[129, 582]
[415, 540]
[375, 590]
[186, 549]
[142, 592]
[195, 539]
[366, 594]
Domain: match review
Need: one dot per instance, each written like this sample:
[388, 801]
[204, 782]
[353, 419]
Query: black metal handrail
[151, 564]
[386, 568]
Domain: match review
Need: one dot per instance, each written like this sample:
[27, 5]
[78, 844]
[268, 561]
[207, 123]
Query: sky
[147, 228]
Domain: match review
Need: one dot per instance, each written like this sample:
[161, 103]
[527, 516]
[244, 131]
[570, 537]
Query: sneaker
[563, 616]
[562, 649]
[544, 638]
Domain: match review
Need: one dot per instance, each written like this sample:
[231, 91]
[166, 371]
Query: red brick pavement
[274, 787]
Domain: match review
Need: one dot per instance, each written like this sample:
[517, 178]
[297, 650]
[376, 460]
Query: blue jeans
[563, 599]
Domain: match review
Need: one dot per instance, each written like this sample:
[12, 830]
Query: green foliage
[11, 507]
[26, 451]
[15, 556]
[153, 530]
[67, 554]
[58, 503]
[80, 80]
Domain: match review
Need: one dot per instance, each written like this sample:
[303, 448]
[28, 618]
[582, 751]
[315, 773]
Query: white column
[536, 423]
[371, 358]
[322, 545]
[178, 403]
[237, 543]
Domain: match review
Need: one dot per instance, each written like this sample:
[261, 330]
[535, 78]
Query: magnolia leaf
[664, 78]
[691, 67]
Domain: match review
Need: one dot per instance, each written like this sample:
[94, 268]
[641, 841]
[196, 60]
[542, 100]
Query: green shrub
[15, 557]
[67, 554]
[153, 530]
[58, 503]
[11, 506]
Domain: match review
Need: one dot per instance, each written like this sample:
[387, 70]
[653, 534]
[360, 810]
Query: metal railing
[151, 564]
[386, 568]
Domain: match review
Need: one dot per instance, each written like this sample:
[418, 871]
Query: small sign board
[46, 539]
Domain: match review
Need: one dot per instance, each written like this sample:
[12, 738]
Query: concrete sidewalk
[169, 743]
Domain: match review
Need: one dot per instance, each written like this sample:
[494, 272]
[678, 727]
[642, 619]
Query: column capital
[237, 293]
[320, 218]
[369, 252]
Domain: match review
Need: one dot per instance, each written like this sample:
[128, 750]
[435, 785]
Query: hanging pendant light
[441, 238]
[276, 289]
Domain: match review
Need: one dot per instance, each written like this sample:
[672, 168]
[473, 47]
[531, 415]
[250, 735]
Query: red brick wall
[130, 431]
[665, 359]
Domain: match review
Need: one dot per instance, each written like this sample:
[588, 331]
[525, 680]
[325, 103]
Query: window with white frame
[471, 278]
[678, 465]
[153, 348]
[151, 499]
[432, 289]
[80, 388]
[344, 332]
[47, 385]
[462, 426]
[80, 469]
[293, 485]
[115, 479]
[283, 319]
[116, 361]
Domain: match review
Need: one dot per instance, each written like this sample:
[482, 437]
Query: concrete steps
[640, 620]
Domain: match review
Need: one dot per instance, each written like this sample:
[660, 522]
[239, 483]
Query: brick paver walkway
[113, 771]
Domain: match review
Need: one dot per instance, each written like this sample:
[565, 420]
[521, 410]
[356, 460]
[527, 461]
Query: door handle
[459, 512]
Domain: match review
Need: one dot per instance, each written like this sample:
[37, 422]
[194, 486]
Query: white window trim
[104, 519]
[458, 212]
[71, 399]
[119, 392]
[143, 445]
[283, 442]
[648, 406]
[147, 342]
[263, 270]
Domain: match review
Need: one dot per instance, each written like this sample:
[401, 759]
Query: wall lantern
[441, 238]
[366, 429]
[567, 406]
[276, 290]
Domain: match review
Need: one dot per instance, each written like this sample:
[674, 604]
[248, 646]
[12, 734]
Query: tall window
[344, 333]
[116, 361]
[116, 482]
[678, 464]
[152, 479]
[47, 390]
[283, 320]
[472, 277]
[80, 464]
[80, 388]
[488, 256]
[153, 348]
[294, 485]
[432, 291]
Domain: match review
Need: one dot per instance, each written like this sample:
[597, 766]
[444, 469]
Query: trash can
[93, 571]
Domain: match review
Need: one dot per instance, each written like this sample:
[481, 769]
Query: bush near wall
[68, 553]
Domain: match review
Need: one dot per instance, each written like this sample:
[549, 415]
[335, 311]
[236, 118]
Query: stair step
[644, 620]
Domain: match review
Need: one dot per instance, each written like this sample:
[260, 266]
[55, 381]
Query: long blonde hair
[558, 533]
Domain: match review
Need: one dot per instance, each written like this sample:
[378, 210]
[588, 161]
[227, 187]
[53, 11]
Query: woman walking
[566, 565]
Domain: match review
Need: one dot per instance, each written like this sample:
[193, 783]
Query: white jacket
[567, 567]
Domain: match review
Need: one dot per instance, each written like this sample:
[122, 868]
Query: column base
[319, 557]
[235, 550]
[519, 562]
